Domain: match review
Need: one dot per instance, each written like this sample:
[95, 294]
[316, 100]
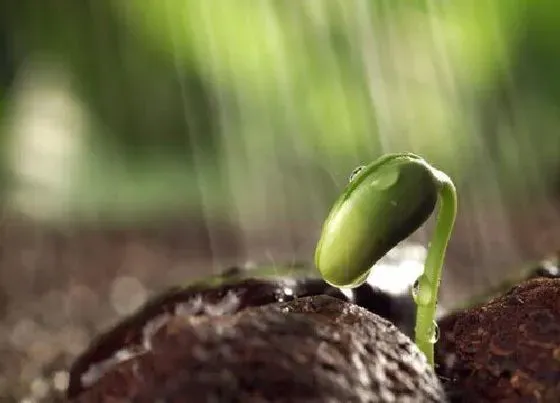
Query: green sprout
[383, 204]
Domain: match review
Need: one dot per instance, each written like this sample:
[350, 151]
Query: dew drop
[355, 172]
[415, 288]
[434, 337]
[422, 291]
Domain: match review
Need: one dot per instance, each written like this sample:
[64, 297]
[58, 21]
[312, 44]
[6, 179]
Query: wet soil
[311, 349]
[228, 294]
[505, 350]
[61, 285]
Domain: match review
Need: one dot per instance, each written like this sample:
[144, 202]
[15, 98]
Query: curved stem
[429, 286]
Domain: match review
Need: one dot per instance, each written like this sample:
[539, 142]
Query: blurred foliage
[249, 108]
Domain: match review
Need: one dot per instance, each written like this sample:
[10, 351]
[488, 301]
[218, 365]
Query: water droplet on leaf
[434, 337]
[422, 291]
[415, 288]
[355, 172]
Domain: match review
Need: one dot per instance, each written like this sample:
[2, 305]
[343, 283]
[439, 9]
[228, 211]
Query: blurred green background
[250, 109]
[146, 141]
[252, 113]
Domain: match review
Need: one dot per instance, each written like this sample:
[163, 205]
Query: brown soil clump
[507, 350]
[311, 349]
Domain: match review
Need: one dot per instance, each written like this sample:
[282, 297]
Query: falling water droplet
[355, 172]
[422, 291]
[434, 337]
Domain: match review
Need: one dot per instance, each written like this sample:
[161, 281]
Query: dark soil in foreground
[507, 350]
[312, 349]
[238, 342]
[61, 285]
[233, 303]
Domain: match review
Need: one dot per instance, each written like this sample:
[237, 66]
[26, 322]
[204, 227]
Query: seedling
[384, 203]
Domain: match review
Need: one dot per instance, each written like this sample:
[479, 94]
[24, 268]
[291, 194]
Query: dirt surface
[312, 349]
[60, 285]
[229, 294]
[197, 300]
[506, 350]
